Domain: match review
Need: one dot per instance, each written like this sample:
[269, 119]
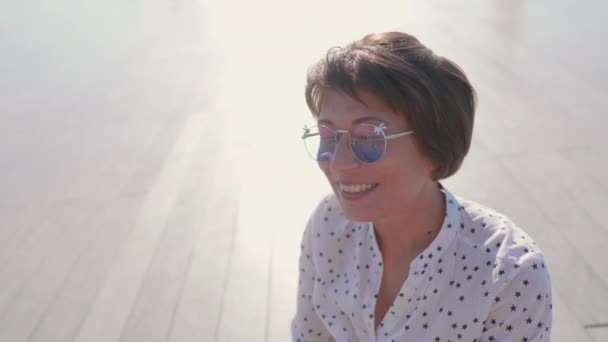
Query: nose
[344, 157]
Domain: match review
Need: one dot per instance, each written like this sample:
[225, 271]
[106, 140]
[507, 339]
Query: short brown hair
[431, 91]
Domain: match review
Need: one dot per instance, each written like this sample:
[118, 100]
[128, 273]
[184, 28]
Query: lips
[355, 191]
[357, 187]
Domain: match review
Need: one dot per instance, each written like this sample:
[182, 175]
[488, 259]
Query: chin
[363, 214]
[361, 207]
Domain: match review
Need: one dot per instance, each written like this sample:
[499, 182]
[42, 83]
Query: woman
[392, 255]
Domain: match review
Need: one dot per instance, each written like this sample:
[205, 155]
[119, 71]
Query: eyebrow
[357, 121]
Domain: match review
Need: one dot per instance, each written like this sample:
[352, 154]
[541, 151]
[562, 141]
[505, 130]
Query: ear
[430, 165]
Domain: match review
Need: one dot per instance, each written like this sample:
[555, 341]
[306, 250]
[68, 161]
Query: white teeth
[356, 187]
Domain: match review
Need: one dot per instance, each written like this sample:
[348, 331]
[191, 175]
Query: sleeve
[306, 325]
[522, 310]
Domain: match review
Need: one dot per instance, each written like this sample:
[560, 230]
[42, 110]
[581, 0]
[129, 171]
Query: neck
[412, 228]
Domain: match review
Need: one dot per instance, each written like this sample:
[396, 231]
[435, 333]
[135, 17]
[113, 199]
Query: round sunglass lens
[368, 143]
[320, 143]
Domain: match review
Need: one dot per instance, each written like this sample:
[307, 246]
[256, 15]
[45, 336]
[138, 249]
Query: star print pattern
[481, 279]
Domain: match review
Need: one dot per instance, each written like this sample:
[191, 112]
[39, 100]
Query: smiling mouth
[357, 188]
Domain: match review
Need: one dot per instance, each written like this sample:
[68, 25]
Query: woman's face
[396, 180]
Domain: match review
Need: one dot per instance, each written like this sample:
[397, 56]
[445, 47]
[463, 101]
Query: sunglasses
[367, 141]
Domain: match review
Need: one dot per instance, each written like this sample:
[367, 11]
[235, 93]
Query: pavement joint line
[595, 326]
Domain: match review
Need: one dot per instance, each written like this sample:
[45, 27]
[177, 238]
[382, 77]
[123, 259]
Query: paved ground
[153, 186]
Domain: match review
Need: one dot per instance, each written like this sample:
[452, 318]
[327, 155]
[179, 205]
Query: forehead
[342, 110]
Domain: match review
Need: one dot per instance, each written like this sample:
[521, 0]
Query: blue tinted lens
[326, 150]
[368, 152]
[327, 144]
[368, 142]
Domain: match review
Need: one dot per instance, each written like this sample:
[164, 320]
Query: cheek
[326, 171]
[406, 166]
[324, 168]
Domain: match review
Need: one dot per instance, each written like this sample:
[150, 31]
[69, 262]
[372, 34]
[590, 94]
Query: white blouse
[481, 279]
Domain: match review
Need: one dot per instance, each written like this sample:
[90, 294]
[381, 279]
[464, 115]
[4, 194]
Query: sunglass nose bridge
[343, 153]
[339, 134]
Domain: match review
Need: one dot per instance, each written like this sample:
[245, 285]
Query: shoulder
[499, 240]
